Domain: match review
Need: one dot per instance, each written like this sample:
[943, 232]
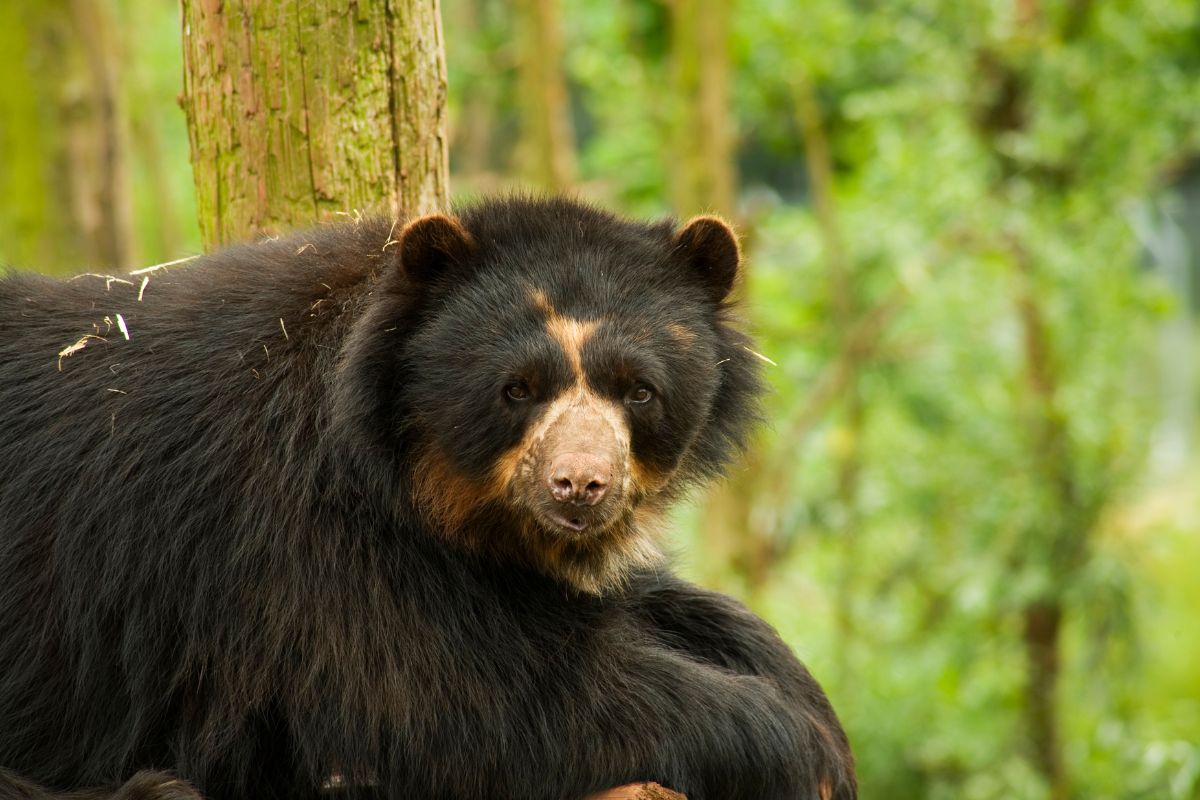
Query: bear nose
[579, 478]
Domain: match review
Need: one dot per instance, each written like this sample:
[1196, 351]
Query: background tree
[477, 75]
[298, 112]
[703, 174]
[548, 140]
[65, 129]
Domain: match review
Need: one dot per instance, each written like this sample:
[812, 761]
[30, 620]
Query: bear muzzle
[582, 450]
[579, 483]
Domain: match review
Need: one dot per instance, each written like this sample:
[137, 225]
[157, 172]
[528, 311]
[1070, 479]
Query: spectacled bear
[374, 506]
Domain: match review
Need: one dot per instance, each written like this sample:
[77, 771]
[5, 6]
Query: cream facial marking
[570, 333]
[682, 336]
[576, 419]
[541, 302]
[599, 556]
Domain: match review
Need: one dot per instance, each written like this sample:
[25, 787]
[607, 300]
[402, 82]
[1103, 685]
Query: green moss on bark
[299, 111]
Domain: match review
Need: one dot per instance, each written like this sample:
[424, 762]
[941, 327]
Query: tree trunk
[844, 303]
[62, 135]
[1067, 529]
[1005, 90]
[701, 180]
[1042, 623]
[704, 177]
[297, 112]
[548, 140]
[471, 135]
[105, 145]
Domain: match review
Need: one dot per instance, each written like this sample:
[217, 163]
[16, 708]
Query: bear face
[565, 374]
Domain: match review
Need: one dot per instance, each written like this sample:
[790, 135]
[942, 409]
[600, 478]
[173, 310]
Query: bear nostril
[580, 479]
[594, 492]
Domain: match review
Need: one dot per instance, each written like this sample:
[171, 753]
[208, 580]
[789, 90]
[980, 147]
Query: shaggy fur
[256, 525]
[146, 785]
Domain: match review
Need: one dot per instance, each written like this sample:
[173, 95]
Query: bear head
[550, 376]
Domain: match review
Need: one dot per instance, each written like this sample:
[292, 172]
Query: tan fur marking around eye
[682, 335]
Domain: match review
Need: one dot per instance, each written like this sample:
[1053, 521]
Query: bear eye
[517, 391]
[640, 395]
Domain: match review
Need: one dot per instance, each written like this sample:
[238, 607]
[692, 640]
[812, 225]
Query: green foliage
[985, 163]
[910, 600]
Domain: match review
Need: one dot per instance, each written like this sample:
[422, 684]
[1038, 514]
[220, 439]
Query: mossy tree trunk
[704, 175]
[299, 111]
[1073, 496]
[472, 133]
[845, 305]
[64, 139]
[701, 179]
[547, 148]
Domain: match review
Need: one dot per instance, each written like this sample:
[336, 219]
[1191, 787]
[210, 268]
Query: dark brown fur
[263, 541]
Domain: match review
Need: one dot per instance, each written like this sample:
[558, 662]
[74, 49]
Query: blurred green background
[973, 239]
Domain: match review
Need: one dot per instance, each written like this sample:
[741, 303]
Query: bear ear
[432, 244]
[711, 249]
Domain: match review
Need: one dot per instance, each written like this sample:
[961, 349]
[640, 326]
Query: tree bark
[1006, 93]
[63, 137]
[471, 134]
[107, 147]
[1042, 622]
[299, 111]
[704, 177]
[548, 138]
[1068, 531]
